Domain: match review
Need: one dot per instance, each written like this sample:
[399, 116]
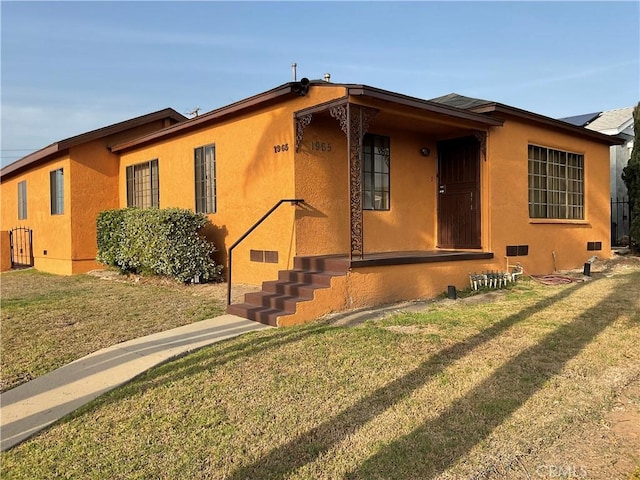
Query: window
[142, 185]
[57, 191]
[375, 170]
[22, 200]
[556, 184]
[205, 172]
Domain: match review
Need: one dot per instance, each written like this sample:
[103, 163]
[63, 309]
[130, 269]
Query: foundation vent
[594, 246]
[263, 256]
[517, 250]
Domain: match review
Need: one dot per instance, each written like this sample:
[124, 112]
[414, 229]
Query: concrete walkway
[30, 407]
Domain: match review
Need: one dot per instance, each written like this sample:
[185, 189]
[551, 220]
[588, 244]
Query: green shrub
[157, 241]
[110, 225]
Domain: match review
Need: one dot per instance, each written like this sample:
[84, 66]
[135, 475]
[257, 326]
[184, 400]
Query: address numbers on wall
[316, 145]
[321, 146]
[281, 148]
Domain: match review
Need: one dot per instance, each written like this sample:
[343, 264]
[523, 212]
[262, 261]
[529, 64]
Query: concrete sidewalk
[30, 407]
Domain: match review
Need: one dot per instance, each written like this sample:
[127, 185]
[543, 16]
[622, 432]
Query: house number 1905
[281, 148]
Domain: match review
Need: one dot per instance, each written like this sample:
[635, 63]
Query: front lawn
[507, 389]
[50, 320]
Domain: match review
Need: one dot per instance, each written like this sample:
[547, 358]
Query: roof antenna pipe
[293, 70]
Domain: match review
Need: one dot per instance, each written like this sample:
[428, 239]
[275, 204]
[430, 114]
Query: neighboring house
[396, 197]
[57, 192]
[617, 122]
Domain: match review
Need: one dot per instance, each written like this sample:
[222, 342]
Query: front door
[459, 193]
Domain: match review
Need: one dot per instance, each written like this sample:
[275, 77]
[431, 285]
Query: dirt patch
[602, 449]
[484, 297]
[606, 267]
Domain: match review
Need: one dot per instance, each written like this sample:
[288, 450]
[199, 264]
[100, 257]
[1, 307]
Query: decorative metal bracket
[301, 124]
[482, 138]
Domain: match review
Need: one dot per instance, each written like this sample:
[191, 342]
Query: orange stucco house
[379, 196]
[57, 192]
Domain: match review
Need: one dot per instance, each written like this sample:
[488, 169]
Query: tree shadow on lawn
[438, 443]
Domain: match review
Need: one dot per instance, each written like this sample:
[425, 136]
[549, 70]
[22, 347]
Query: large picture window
[556, 184]
[376, 156]
[142, 185]
[205, 178]
[22, 200]
[56, 184]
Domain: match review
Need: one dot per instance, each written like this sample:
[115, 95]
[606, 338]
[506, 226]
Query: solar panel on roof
[581, 120]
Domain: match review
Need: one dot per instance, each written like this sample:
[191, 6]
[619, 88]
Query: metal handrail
[293, 201]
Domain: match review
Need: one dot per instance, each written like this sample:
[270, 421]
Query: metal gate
[621, 217]
[21, 241]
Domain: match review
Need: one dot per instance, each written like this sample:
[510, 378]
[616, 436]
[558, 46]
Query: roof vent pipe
[293, 69]
[327, 77]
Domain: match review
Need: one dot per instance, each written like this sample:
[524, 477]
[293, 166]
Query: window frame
[376, 179]
[205, 189]
[22, 200]
[141, 194]
[56, 191]
[556, 183]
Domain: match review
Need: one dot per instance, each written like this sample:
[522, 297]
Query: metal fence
[621, 217]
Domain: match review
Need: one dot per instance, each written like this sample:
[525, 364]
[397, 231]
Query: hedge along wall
[157, 241]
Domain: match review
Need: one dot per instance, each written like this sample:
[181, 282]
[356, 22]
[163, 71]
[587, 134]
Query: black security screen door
[459, 193]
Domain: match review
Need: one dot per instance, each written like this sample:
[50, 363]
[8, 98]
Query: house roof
[427, 105]
[50, 151]
[612, 122]
[488, 107]
[581, 120]
[460, 101]
[289, 90]
[267, 97]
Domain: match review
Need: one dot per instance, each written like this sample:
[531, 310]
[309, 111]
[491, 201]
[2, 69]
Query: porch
[320, 262]
[427, 256]
[322, 284]
[393, 184]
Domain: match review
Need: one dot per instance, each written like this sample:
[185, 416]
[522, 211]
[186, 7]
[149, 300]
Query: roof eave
[234, 108]
[434, 107]
[40, 156]
[516, 112]
[61, 147]
[121, 126]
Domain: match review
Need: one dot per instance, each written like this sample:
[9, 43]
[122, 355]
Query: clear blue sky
[70, 67]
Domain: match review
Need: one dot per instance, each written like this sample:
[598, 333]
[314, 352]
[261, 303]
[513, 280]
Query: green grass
[49, 320]
[457, 391]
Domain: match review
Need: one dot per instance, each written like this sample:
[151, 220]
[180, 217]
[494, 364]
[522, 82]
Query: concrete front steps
[279, 301]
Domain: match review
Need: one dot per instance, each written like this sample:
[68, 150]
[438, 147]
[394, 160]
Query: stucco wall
[506, 216]
[371, 286]
[51, 233]
[251, 178]
[322, 179]
[94, 188]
